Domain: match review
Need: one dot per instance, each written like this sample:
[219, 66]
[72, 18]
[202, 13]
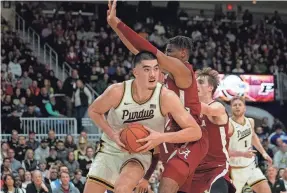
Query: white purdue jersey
[241, 140]
[129, 111]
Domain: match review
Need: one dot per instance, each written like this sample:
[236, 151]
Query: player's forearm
[185, 135]
[100, 121]
[154, 161]
[210, 110]
[257, 144]
[138, 42]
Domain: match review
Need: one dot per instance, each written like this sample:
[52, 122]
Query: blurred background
[57, 57]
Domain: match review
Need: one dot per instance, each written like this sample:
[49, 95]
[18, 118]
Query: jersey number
[245, 143]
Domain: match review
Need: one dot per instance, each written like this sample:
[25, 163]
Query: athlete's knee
[261, 187]
[168, 185]
[123, 188]
[92, 187]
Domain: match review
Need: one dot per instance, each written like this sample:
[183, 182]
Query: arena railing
[20, 26]
[92, 138]
[43, 125]
[51, 57]
[33, 37]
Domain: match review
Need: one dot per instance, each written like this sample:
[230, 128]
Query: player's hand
[249, 153]
[116, 138]
[267, 158]
[153, 140]
[112, 13]
[142, 187]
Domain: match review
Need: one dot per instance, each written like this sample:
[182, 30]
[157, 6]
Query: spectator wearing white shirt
[15, 68]
[42, 152]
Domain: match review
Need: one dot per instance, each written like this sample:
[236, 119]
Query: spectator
[280, 157]
[35, 90]
[66, 185]
[21, 149]
[15, 68]
[83, 98]
[261, 161]
[4, 150]
[42, 152]
[18, 183]
[37, 185]
[47, 85]
[62, 153]
[68, 89]
[85, 164]
[278, 134]
[32, 143]
[56, 184]
[15, 164]
[52, 139]
[26, 80]
[276, 184]
[9, 185]
[77, 180]
[27, 179]
[260, 133]
[42, 100]
[81, 151]
[30, 164]
[43, 168]
[69, 143]
[71, 163]
[21, 174]
[30, 113]
[53, 174]
[51, 109]
[51, 160]
[265, 126]
[6, 166]
[284, 178]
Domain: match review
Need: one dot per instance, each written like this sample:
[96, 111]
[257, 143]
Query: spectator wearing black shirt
[13, 143]
[29, 163]
[85, 163]
[42, 99]
[77, 180]
[276, 184]
[52, 158]
[32, 142]
[21, 149]
[69, 143]
[52, 139]
[68, 89]
[37, 185]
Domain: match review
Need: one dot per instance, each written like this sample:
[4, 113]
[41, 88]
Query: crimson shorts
[204, 176]
[186, 159]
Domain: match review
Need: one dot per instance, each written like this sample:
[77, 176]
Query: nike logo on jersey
[130, 117]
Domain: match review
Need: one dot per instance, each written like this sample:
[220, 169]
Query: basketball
[131, 134]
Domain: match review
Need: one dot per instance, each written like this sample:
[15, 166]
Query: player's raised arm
[215, 109]
[180, 73]
[190, 129]
[109, 99]
[111, 13]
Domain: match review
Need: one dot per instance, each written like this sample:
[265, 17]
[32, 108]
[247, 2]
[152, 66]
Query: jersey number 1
[245, 143]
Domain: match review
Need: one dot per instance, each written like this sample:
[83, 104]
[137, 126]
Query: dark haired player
[182, 81]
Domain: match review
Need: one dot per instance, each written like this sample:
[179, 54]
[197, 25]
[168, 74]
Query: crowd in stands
[30, 89]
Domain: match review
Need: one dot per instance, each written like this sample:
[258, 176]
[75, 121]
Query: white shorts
[109, 161]
[251, 175]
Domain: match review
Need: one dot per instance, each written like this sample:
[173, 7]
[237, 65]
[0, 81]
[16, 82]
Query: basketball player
[181, 80]
[142, 100]
[212, 172]
[242, 157]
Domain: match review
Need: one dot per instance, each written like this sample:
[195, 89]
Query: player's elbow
[196, 133]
